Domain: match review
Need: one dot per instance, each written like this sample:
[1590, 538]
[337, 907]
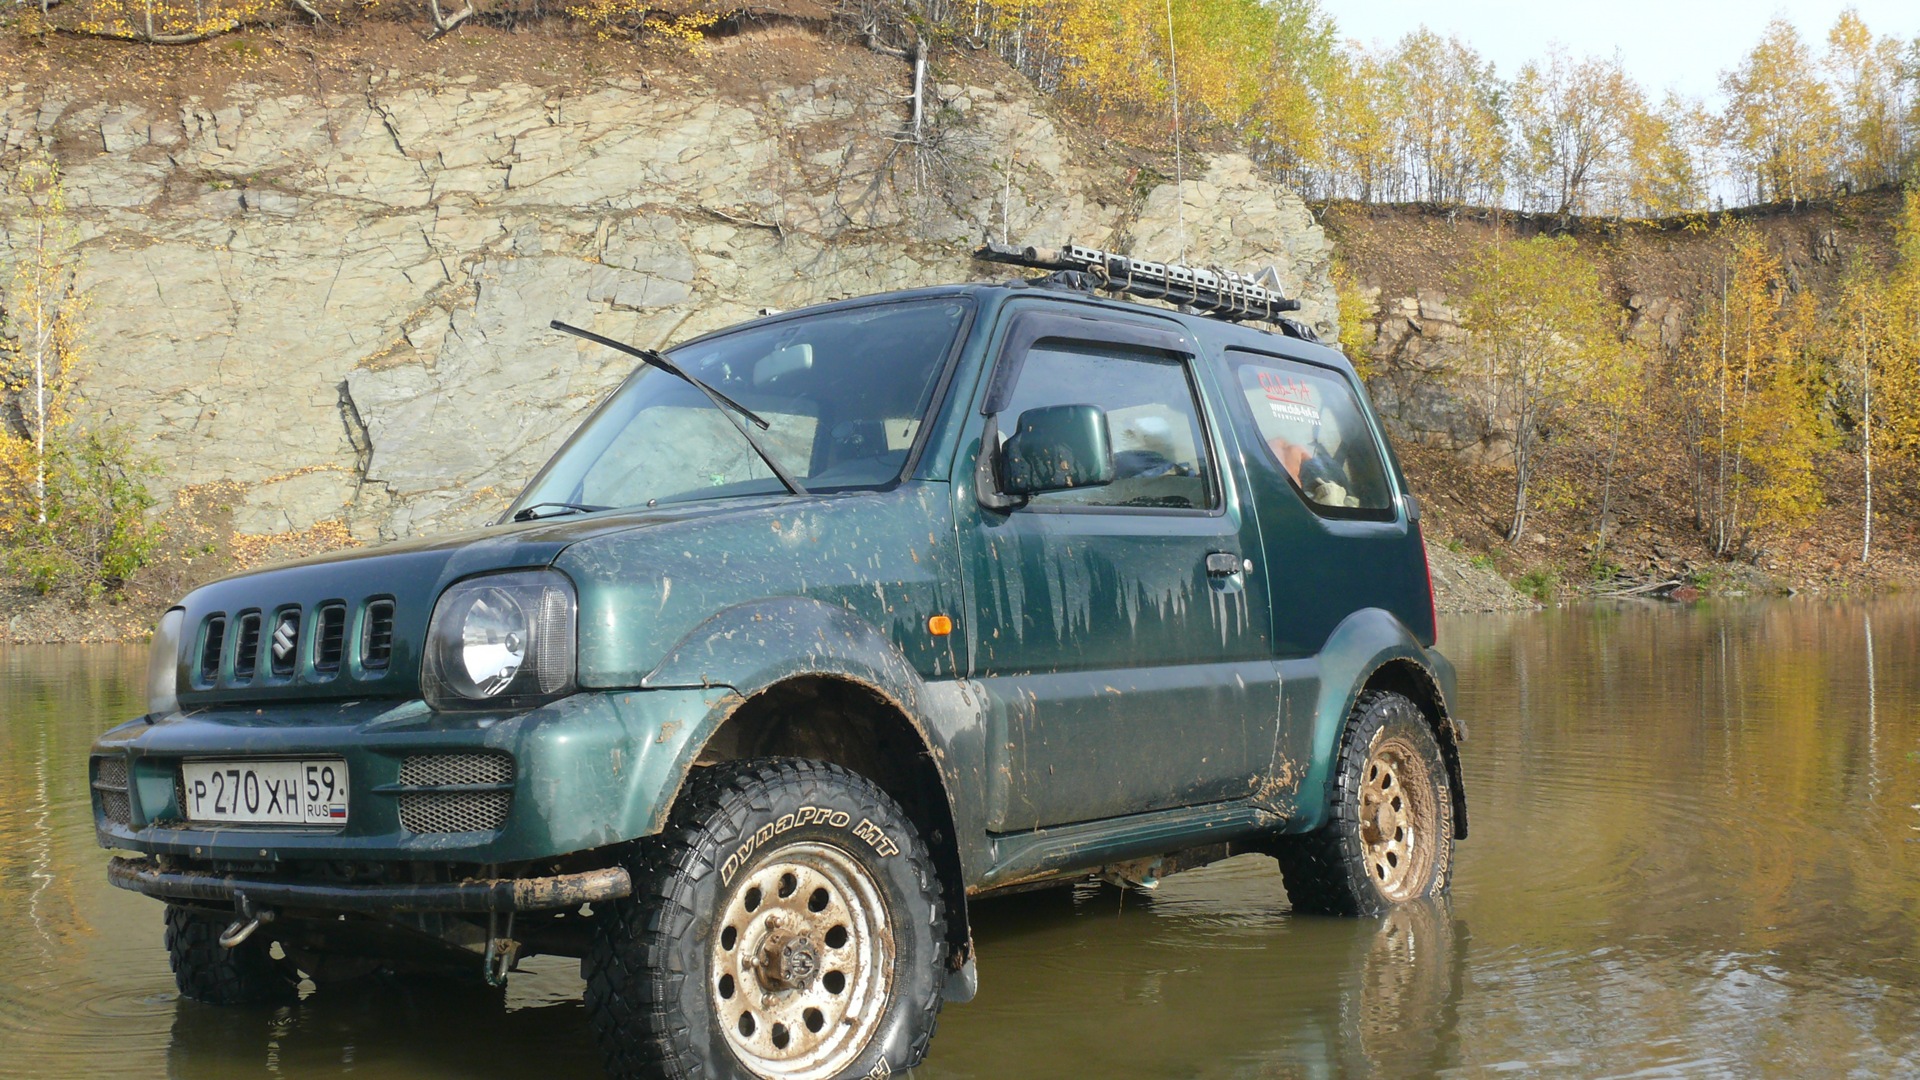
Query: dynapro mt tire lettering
[1388, 837]
[786, 923]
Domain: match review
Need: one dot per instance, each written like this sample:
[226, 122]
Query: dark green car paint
[1102, 696]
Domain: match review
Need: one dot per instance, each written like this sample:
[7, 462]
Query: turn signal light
[939, 625]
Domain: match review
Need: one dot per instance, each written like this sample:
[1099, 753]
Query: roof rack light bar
[1214, 291]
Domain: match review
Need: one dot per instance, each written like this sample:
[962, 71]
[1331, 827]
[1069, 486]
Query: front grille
[110, 780]
[291, 643]
[376, 642]
[111, 772]
[455, 811]
[246, 647]
[211, 644]
[449, 770]
[331, 644]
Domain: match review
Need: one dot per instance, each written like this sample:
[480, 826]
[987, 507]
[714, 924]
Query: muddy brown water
[1695, 851]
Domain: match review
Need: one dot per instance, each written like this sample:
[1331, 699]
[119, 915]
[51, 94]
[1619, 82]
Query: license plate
[266, 792]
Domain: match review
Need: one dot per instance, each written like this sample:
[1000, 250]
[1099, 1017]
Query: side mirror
[1055, 448]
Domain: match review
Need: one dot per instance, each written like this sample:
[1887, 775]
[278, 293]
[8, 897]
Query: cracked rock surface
[341, 300]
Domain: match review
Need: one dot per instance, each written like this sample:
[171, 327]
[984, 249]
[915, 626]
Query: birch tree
[1542, 334]
[41, 352]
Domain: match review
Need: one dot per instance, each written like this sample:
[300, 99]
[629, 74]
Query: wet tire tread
[1325, 870]
[635, 980]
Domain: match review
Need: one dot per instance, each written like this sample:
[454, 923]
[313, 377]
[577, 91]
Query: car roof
[1215, 332]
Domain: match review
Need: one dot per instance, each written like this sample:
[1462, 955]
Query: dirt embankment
[1659, 274]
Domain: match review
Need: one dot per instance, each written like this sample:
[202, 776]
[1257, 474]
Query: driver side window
[1159, 447]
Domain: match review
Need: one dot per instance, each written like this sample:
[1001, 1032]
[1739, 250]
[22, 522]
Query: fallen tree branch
[1652, 586]
[442, 23]
[916, 54]
[778, 229]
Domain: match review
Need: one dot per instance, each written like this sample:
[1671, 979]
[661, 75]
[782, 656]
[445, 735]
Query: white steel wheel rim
[802, 963]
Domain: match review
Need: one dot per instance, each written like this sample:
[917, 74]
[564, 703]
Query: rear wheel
[1388, 837]
[208, 972]
[787, 924]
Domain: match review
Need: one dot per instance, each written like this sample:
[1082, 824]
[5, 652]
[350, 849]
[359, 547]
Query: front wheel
[787, 924]
[1388, 837]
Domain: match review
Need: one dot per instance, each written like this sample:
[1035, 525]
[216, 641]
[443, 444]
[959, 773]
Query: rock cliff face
[340, 299]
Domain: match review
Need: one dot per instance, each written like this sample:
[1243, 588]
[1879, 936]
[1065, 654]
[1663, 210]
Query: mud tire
[208, 973]
[1326, 871]
[649, 969]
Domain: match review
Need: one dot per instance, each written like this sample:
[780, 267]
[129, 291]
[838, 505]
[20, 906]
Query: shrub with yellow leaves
[73, 500]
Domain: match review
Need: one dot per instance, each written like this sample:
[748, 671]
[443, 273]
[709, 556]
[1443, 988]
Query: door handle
[1225, 564]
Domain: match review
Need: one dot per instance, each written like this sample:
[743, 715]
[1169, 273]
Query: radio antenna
[1179, 177]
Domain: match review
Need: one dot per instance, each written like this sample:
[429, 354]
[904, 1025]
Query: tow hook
[502, 951]
[246, 919]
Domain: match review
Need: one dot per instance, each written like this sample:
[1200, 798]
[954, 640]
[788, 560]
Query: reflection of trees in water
[53, 699]
[1704, 781]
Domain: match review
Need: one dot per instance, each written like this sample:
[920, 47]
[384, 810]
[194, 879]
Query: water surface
[1695, 850]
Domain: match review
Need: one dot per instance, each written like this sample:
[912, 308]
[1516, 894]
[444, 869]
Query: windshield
[843, 394]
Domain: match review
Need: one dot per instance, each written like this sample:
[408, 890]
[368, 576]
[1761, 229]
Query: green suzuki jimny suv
[818, 628]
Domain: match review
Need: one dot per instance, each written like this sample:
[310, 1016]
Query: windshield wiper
[531, 512]
[727, 406]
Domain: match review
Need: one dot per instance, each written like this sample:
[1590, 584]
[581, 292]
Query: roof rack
[1216, 292]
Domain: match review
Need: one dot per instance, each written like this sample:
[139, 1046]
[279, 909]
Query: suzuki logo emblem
[284, 636]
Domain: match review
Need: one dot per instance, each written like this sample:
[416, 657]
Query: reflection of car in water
[817, 628]
[1209, 975]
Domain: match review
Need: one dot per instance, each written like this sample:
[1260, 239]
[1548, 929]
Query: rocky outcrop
[340, 300]
[1420, 384]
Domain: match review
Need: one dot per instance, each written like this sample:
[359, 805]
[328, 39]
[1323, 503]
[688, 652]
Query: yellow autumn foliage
[168, 20]
[612, 19]
[1751, 374]
[72, 498]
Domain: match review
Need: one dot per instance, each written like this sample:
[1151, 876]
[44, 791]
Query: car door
[1125, 656]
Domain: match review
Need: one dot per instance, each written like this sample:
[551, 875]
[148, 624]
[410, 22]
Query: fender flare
[751, 648]
[1363, 643]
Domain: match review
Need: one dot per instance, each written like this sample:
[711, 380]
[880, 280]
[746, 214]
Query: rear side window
[1159, 446]
[1314, 430]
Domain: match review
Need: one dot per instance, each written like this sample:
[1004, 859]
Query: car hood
[408, 575]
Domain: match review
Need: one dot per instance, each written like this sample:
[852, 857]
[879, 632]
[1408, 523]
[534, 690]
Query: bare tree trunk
[1866, 372]
[919, 84]
[1720, 477]
[1606, 484]
[1740, 450]
[1522, 455]
[42, 343]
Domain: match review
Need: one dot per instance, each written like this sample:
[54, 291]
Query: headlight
[163, 664]
[501, 641]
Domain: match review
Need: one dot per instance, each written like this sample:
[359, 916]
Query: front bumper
[477, 896]
[589, 771]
